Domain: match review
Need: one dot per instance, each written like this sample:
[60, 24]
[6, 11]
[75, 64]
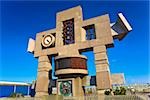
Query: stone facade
[50, 43]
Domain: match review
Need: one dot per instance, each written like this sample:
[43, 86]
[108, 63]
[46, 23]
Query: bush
[14, 95]
[117, 91]
[107, 92]
[121, 91]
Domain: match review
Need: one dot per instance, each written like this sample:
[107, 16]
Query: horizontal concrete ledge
[71, 71]
[14, 83]
[104, 70]
[70, 56]
[80, 46]
[40, 94]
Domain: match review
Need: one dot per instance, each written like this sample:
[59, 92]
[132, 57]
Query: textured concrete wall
[102, 29]
[103, 38]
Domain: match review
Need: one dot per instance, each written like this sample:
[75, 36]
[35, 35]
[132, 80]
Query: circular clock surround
[48, 40]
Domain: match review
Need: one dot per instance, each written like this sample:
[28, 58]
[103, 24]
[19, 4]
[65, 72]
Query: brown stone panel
[103, 80]
[78, 63]
[70, 62]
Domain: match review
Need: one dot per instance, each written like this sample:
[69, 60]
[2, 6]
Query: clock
[48, 40]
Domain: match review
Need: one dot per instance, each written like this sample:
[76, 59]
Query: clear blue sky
[21, 20]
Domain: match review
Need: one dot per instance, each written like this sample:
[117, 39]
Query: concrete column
[28, 90]
[78, 90]
[103, 80]
[14, 88]
[43, 76]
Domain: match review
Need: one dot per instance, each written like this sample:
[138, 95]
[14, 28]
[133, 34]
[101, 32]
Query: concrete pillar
[42, 83]
[28, 90]
[103, 80]
[78, 89]
[14, 88]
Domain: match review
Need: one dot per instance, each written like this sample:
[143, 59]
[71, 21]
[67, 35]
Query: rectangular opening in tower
[68, 32]
[90, 32]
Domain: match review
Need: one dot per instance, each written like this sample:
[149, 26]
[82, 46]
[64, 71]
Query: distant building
[118, 79]
[7, 88]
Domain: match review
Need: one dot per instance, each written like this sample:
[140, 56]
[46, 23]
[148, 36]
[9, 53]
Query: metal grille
[68, 32]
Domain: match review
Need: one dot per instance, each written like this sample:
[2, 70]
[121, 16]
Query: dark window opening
[90, 32]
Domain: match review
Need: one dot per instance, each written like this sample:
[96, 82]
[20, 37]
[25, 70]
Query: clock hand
[48, 41]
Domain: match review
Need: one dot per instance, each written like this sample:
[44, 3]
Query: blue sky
[21, 20]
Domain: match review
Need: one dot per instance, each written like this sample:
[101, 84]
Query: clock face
[48, 40]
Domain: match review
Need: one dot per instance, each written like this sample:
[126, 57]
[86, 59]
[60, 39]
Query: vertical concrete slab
[78, 88]
[43, 76]
[103, 80]
[73, 13]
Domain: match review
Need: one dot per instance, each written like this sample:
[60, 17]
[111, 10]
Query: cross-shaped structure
[67, 41]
